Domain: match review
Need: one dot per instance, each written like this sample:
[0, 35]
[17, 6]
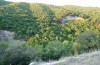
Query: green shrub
[55, 49]
[18, 54]
[22, 54]
[87, 41]
[3, 47]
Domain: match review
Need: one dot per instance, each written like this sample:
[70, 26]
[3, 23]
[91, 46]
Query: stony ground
[83, 59]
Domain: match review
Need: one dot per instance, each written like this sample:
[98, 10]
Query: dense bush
[3, 47]
[88, 40]
[56, 49]
[53, 50]
[17, 54]
[22, 54]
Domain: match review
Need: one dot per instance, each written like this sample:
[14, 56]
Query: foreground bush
[17, 54]
[3, 47]
[87, 41]
[56, 49]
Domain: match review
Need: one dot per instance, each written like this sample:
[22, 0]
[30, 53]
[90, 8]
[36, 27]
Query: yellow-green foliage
[40, 25]
[28, 20]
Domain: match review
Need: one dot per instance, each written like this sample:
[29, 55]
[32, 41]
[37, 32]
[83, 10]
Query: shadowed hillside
[2, 3]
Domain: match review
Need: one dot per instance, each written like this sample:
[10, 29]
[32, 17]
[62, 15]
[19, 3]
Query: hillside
[46, 32]
[27, 20]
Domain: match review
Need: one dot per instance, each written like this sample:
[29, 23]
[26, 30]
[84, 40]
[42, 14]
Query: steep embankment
[84, 59]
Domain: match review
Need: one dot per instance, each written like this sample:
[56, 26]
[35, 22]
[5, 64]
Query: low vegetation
[46, 37]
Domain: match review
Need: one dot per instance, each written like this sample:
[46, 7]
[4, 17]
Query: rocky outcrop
[8, 36]
[69, 18]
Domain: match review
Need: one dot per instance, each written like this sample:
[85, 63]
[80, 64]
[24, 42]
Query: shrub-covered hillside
[40, 25]
[31, 20]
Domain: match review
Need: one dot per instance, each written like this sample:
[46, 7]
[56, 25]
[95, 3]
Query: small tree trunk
[75, 52]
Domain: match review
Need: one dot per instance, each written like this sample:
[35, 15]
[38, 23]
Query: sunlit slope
[27, 20]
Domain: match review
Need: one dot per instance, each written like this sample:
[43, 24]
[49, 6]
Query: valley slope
[50, 31]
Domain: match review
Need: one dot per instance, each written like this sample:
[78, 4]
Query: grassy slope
[83, 59]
